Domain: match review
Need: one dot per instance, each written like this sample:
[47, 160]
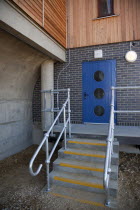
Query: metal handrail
[45, 140]
[126, 87]
[110, 138]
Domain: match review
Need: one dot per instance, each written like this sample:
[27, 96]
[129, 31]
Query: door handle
[85, 95]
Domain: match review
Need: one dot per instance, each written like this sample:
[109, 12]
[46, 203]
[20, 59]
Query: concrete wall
[19, 69]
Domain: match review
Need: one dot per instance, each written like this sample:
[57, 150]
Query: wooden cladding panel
[54, 16]
[84, 31]
[31, 9]
[55, 19]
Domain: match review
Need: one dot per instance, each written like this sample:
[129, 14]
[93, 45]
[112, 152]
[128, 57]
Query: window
[99, 93]
[105, 8]
[99, 76]
[99, 111]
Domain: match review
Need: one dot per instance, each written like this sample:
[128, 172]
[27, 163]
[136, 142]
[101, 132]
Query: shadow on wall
[19, 70]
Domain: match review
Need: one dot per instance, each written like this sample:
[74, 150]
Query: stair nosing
[87, 139]
[92, 167]
[87, 150]
[87, 143]
[84, 154]
[61, 176]
[78, 182]
[79, 200]
[82, 168]
[76, 176]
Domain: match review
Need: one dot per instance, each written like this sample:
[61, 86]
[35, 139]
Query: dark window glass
[99, 76]
[99, 111]
[99, 93]
[105, 8]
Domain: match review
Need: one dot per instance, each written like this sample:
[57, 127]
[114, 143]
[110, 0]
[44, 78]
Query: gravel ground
[19, 190]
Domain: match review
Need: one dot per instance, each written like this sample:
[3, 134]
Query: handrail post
[47, 164]
[64, 115]
[109, 147]
[57, 102]
[44, 118]
[52, 109]
[113, 104]
[69, 113]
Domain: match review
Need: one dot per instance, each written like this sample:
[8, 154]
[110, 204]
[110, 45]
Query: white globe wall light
[131, 56]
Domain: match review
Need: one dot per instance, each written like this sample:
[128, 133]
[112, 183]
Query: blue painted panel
[108, 67]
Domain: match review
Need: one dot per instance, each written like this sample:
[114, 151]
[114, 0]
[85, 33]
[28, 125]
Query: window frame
[107, 15]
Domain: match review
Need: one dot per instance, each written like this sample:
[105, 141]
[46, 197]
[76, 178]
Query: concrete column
[47, 83]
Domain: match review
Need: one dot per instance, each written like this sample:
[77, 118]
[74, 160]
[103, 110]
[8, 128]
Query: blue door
[98, 77]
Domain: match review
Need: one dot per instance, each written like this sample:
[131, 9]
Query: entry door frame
[113, 83]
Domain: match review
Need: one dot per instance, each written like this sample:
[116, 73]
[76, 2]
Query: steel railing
[46, 136]
[110, 138]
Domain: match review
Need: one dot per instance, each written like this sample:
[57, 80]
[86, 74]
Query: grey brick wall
[36, 102]
[127, 74]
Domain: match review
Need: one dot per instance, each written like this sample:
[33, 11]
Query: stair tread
[82, 179]
[88, 164]
[84, 140]
[83, 151]
[78, 195]
[80, 163]
[79, 177]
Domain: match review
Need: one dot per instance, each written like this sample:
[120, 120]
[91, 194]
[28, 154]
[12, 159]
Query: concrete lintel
[18, 24]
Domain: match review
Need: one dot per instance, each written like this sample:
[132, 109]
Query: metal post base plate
[45, 189]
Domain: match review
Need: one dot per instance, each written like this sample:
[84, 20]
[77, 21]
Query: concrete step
[95, 144]
[77, 181]
[76, 195]
[115, 159]
[82, 154]
[82, 182]
[86, 143]
[89, 136]
[94, 140]
[83, 167]
[87, 155]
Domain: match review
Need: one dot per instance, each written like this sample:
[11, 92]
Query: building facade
[112, 36]
[76, 44]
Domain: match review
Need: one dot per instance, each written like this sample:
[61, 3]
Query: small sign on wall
[98, 53]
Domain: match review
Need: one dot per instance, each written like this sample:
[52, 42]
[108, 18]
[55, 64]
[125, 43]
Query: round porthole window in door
[99, 110]
[99, 93]
[99, 76]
